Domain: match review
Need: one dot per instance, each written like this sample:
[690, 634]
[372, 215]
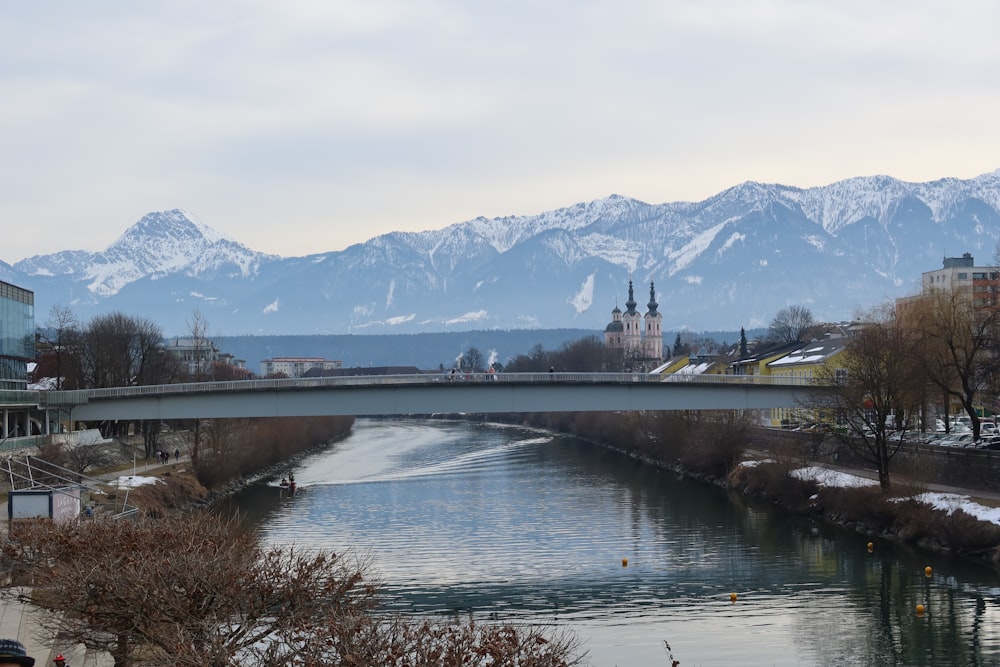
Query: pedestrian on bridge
[13, 654]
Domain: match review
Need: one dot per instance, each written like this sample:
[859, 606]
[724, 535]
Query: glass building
[17, 335]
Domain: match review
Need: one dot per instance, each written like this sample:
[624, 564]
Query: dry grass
[176, 491]
[774, 483]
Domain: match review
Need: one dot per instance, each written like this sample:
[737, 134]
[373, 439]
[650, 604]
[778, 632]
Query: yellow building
[756, 364]
[692, 365]
[805, 364]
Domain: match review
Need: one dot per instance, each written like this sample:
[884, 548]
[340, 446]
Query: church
[639, 337]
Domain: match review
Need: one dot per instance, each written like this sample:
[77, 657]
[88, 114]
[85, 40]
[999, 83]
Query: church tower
[615, 331]
[653, 338]
[632, 322]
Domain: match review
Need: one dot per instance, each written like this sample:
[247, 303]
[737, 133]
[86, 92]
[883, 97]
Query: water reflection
[514, 523]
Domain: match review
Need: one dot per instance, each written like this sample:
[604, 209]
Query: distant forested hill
[427, 351]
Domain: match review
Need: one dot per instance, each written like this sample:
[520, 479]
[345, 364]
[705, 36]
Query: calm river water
[505, 522]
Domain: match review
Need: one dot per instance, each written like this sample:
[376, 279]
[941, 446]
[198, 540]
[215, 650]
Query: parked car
[989, 442]
[989, 428]
[959, 440]
[929, 438]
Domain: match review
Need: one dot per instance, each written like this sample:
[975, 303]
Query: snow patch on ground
[826, 477]
[133, 481]
[947, 502]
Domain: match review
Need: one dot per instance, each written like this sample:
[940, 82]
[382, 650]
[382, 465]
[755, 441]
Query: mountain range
[733, 260]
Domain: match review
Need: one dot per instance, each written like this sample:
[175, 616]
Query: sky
[307, 126]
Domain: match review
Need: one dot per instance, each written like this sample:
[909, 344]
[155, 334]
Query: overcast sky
[299, 127]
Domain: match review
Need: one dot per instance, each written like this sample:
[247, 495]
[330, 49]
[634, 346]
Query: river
[502, 522]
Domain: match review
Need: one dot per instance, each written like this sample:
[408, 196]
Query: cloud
[472, 316]
[306, 127]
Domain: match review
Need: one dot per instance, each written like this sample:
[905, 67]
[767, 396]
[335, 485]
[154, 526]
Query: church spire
[631, 303]
[652, 299]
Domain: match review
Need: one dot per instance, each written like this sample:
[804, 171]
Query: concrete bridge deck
[419, 394]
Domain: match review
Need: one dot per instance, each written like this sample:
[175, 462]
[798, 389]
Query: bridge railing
[19, 396]
[82, 396]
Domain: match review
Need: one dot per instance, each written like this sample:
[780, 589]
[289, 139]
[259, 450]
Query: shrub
[199, 590]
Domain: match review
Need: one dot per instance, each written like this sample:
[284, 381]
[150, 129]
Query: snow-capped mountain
[730, 261]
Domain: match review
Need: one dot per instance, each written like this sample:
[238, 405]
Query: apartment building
[295, 367]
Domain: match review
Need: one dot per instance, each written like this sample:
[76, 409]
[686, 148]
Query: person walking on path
[13, 654]
[60, 661]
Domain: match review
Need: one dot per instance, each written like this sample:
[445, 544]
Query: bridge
[367, 395]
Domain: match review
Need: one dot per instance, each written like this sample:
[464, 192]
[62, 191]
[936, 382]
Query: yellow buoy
[928, 571]
[870, 547]
[920, 610]
[732, 597]
[624, 562]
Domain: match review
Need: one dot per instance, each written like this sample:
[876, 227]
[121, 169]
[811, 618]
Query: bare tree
[202, 347]
[117, 350]
[588, 355]
[790, 324]
[150, 430]
[956, 340]
[63, 336]
[120, 351]
[224, 451]
[81, 457]
[874, 386]
[473, 360]
[196, 590]
[633, 360]
[198, 331]
[537, 360]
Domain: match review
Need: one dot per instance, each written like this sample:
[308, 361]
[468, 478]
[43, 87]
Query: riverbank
[178, 488]
[911, 512]
[730, 451]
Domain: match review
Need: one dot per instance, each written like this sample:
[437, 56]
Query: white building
[957, 273]
[295, 367]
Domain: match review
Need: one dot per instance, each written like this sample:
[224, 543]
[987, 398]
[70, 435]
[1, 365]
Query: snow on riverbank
[827, 477]
[133, 481]
[948, 502]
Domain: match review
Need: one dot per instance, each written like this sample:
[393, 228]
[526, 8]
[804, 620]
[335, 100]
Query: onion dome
[652, 305]
[631, 303]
